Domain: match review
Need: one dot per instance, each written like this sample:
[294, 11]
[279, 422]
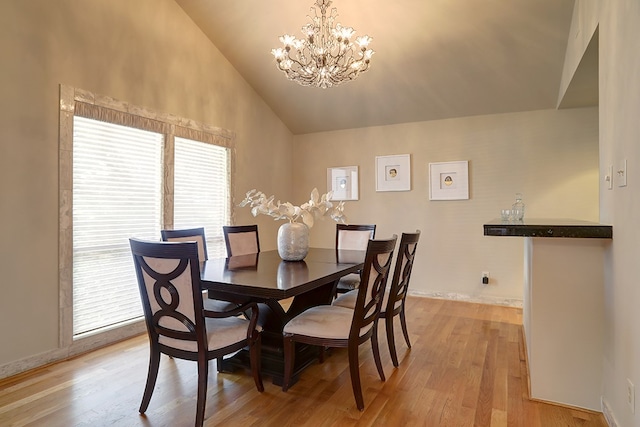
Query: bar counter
[563, 306]
[569, 228]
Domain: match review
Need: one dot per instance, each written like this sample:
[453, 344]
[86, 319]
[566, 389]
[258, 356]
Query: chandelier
[326, 56]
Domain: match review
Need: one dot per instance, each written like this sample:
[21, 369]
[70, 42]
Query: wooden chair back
[188, 235]
[241, 239]
[179, 324]
[402, 272]
[395, 298]
[353, 236]
[375, 274]
[169, 282]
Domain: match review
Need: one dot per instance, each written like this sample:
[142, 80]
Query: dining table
[268, 280]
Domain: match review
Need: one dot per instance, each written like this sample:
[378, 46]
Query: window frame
[75, 101]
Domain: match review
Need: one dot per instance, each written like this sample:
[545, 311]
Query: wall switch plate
[608, 179]
[485, 277]
[621, 174]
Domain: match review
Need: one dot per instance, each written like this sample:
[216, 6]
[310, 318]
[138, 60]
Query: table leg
[272, 318]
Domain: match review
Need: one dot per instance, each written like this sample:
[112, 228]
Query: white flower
[317, 206]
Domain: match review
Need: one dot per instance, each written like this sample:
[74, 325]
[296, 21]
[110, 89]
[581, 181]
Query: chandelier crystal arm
[327, 56]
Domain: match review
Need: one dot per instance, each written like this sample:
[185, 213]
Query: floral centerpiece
[293, 236]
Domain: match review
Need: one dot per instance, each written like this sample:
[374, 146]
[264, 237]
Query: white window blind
[202, 191]
[117, 194]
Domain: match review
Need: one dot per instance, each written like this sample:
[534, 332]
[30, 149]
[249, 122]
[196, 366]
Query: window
[117, 194]
[201, 190]
[128, 175]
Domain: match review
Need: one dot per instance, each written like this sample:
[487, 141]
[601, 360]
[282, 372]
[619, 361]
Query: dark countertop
[549, 228]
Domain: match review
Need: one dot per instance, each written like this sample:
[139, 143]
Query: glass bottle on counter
[517, 209]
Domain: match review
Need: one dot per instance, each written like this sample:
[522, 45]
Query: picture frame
[343, 181]
[393, 173]
[449, 180]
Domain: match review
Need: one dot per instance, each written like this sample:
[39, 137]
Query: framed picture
[343, 181]
[449, 180]
[393, 173]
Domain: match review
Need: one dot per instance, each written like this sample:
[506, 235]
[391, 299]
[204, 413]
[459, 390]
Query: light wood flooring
[466, 368]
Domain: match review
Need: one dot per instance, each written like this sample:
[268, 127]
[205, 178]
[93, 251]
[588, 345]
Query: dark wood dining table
[266, 279]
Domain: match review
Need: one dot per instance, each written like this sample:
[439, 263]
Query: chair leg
[288, 360]
[254, 356]
[403, 322]
[376, 351]
[219, 363]
[201, 403]
[388, 322]
[354, 369]
[152, 375]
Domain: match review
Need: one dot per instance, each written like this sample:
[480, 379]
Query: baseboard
[507, 302]
[79, 346]
[608, 413]
[32, 362]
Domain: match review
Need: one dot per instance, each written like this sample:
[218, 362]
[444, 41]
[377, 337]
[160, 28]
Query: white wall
[550, 156]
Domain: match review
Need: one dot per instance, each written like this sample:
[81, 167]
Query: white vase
[293, 241]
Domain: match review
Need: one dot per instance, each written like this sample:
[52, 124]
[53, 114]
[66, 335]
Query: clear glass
[517, 209]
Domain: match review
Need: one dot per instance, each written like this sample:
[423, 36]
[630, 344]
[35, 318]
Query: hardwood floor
[466, 368]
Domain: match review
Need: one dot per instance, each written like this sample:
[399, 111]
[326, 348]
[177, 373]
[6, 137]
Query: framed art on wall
[393, 173]
[343, 181]
[449, 180]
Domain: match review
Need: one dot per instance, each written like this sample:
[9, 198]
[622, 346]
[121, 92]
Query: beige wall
[550, 156]
[583, 25]
[619, 32]
[145, 52]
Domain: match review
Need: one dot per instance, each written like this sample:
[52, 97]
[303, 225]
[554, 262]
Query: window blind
[117, 194]
[201, 190]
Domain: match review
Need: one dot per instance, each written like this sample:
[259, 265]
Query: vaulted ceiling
[434, 59]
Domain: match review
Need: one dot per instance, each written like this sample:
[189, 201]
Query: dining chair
[352, 237]
[188, 235]
[394, 298]
[241, 239]
[179, 325]
[335, 326]
[213, 302]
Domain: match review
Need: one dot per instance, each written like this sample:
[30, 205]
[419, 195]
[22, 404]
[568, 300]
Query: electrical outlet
[631, 396]
[485, 277]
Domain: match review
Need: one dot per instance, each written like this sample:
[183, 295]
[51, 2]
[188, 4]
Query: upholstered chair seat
[220, 333]
[349, 282]
[348, 300]
[323, 321]
[217, 305]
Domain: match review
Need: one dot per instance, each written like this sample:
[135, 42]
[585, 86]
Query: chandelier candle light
[326, 56]
[293, 236]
